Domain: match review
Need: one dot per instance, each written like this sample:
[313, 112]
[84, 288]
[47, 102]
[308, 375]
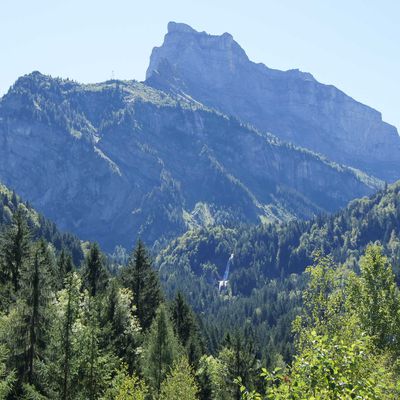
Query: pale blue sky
[353, 44]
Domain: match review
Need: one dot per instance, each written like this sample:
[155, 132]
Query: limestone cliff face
[291, 104]
[116, 160]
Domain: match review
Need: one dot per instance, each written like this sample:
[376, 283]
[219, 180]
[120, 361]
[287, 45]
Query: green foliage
[162, 349]
[180, 383]
[186, 328]
[7, 377]
[94, 274]
[61, 363]
[36, 286]
[141, 278]
[40, 227]
[376, 300]
[70, 334]
[342, 348]
[14, 249]
[240, 362]
[120, 326]
[125, 387]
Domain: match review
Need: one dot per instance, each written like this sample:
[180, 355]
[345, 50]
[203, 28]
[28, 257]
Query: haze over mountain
[292, 105]
[117, 160]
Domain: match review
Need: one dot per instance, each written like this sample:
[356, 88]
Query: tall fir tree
[121, 330]
[37, 279]
[186, 328]
[14, 249]
[64, 266]
[162, 349]
[96, 362]
[94, 273]
[62, 353]
[25, 329]
[143, 280]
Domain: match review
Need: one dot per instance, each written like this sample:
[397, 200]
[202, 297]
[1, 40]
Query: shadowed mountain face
[115, 160]
[292, 105]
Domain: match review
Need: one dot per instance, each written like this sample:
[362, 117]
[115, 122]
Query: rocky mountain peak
[179, 27]
[192, 49]
[215, 71]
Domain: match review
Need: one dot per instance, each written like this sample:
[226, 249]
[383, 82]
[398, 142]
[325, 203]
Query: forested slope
[40, 227]
[277, 250]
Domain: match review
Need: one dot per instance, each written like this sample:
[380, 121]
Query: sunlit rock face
[117, 160]
[216, 71]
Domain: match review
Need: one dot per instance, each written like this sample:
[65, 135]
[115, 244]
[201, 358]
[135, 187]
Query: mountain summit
[292, 105]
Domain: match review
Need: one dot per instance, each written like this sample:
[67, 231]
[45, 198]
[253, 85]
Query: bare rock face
[117, 160]
[292, 105]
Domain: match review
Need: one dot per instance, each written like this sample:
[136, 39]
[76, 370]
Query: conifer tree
[25, 328]
[14, 250]
[142, 279]
[96, 363]
[204, 381]
[64, 266]
[186, 328]
[182, 318]
[120, 327]
[161, 350]
[94, 274]
[240, 362]
[61, 358]
[36, 280]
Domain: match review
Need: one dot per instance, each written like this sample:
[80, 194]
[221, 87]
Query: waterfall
[224, 282]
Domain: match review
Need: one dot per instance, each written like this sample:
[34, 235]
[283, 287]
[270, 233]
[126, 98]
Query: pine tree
[186, 328]
[240, 361]
[94, 274]
[64, 266]
[120, 327]
[161, 350]
[35, 291]
[182, 318]
[62, 353]
[14, 250]
[96, 363]
[142, 279]
[25, 327]
[204, 381]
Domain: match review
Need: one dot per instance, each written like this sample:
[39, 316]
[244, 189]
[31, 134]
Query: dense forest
[74, 324]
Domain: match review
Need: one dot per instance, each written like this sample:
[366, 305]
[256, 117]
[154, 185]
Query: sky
[352, 44]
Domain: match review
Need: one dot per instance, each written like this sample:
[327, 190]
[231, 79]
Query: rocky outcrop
[117, 160]
[216, 71]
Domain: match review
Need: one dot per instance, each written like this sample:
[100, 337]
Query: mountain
[292, 105]
[266, 252]
[117, 160]
[40, 227]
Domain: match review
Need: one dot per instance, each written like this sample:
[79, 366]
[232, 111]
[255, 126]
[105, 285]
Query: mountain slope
[109, 161]
[40, 226]
[292, 105]
[277, 250]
